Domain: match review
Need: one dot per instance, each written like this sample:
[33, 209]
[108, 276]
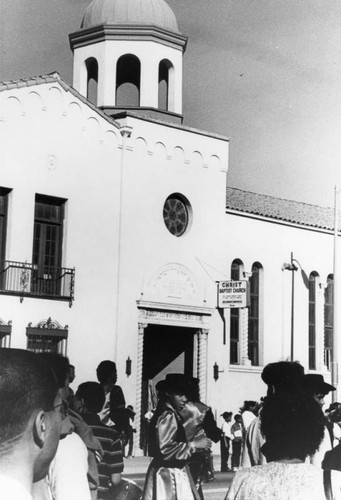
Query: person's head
[283, 376]
[227, 416]
[89, 398]
[333, 413]
[106, 373]
[316, 387]
[238, 418]
[177, 389]
[72, 373]
[30, 411]
[332, 407]
[249, 406]
[61, 368]
[293, 426]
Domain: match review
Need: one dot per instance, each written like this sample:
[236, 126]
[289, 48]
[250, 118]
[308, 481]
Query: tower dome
[130, 12]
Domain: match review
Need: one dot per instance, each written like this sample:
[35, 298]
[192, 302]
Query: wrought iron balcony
[27, 280]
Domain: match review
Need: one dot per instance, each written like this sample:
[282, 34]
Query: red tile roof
[270, 207]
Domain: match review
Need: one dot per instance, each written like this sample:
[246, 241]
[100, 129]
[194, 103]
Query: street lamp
[128, 366]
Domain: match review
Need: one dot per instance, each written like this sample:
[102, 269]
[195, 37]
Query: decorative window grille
[47, 336]
[5, 333]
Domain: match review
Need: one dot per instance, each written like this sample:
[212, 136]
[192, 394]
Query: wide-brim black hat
[315, 383]
[283, 375]
[177, 383]
[160, 385]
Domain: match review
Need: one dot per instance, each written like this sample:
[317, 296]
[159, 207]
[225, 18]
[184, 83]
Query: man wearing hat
[315, 385]
[168, 476]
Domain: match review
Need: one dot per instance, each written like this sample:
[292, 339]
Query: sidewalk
[136, 465]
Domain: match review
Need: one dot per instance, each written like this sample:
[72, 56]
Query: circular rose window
[176, 215]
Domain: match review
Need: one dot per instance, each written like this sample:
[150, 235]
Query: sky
[265, 73]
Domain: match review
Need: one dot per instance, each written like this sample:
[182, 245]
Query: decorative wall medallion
[51, 163]
[173, 282]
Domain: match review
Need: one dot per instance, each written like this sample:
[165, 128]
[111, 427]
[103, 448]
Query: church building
[117, 225]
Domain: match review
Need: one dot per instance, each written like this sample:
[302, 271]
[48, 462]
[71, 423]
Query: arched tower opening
[128, 81]
[91, 65]
[166, 85]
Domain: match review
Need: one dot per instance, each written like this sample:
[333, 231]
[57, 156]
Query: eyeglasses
[64, 408]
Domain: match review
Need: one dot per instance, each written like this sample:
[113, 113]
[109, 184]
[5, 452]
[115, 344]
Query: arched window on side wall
[313, 278]
[128, 78]
[92, 80]
[254, 314]
[328, 321]
[236, 274]
[165, 68]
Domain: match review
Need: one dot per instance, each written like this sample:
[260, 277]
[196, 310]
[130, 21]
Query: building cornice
[124, 115]
[181, 308]
[127, 32]
[144, 111]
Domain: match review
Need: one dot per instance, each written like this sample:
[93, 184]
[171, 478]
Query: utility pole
[335, 342]
[292, 267]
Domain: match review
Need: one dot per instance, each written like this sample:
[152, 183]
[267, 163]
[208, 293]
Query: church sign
[232, 294]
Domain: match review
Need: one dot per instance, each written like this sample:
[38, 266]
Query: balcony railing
[28, 280]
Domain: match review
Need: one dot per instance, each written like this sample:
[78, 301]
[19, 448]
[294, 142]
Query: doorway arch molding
[158, 313]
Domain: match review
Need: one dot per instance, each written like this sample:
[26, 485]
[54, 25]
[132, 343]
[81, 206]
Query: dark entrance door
[166, 349]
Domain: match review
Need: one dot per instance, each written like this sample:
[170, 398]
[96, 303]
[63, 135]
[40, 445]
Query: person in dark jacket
[168, 476]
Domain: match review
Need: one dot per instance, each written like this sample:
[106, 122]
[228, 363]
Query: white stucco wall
[115, 236]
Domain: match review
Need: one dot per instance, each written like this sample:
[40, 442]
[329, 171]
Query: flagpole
[292, 340]
[335, 354]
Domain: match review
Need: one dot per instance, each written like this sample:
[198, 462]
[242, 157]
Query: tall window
[3, 220]
[47, 244]
[253, 326]
[312, 320]
[328, 321]
[236, 273]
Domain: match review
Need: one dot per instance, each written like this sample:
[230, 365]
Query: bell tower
[128, 55]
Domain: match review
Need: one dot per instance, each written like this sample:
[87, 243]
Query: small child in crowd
[237, 433]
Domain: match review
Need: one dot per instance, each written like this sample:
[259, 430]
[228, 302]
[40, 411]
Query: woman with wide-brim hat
[168, 476]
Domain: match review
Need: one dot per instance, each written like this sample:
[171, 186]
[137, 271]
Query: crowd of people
[60, 444]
